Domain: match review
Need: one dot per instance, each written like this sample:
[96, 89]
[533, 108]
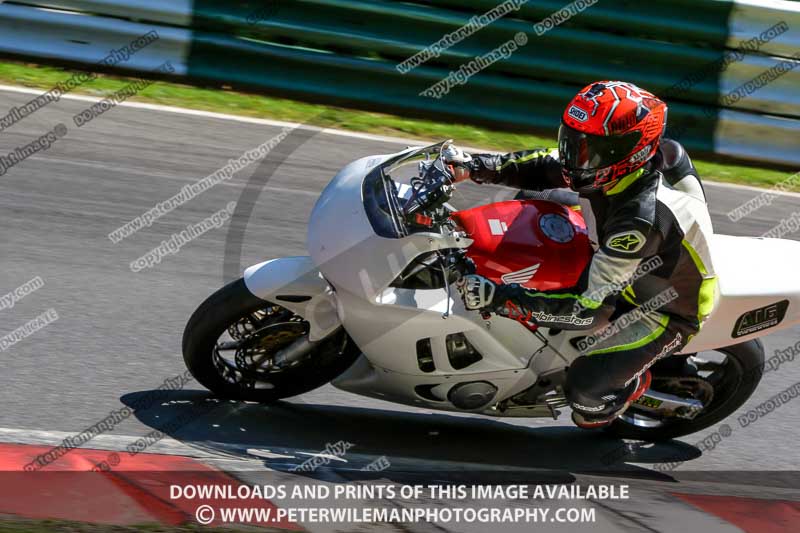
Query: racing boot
[586, 420]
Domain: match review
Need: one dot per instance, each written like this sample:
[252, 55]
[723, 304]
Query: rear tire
[747, 356]
[330, 358]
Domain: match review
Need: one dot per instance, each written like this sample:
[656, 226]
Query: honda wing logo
[521, 276]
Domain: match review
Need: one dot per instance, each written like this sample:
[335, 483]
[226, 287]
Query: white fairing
[754, 275]
[387, 323]
[347, 281]
[293, 277]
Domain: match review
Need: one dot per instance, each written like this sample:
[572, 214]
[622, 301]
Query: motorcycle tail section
[759, 291]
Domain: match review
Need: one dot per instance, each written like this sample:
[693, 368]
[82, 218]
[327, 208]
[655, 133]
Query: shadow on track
[284, 434]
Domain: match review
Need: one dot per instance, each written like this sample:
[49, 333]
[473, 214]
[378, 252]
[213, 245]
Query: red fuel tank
[538, 244]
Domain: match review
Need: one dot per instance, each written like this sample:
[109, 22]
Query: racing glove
[461, 162]
[481, 294]
[477, 291]
[555, 309]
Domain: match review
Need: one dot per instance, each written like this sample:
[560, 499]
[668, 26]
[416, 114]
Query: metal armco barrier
[346, 52]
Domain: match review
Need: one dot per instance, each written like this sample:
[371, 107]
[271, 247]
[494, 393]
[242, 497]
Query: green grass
[252, 105]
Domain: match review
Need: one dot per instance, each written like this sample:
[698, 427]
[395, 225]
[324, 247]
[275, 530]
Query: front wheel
[232, 341]
[723, 380]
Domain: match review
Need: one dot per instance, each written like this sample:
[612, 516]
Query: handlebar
[431, 189]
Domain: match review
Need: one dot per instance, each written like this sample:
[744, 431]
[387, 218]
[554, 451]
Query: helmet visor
[582, 151]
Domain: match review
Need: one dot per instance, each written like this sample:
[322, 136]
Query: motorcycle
[374, 308]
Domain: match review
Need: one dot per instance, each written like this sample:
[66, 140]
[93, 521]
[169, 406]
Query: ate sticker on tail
[759, 319]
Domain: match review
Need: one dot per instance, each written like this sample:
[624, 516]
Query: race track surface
[118, 334]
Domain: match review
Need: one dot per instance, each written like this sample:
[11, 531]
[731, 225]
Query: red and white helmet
[610, 129]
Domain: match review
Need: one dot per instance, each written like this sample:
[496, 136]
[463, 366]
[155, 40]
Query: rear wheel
[722, 380]
[232, 343]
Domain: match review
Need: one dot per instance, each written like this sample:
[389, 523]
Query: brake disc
[686, 387]
[252, 356]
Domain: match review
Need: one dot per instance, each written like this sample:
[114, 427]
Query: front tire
[234, 306]
[744, 365]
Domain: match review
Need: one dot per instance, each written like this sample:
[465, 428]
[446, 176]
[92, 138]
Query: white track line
[236, 456]
[219, 455]
[221, 116]
[167, 445]
[283, 124]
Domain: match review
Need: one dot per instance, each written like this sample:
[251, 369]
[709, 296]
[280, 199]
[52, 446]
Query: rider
[642, 201]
